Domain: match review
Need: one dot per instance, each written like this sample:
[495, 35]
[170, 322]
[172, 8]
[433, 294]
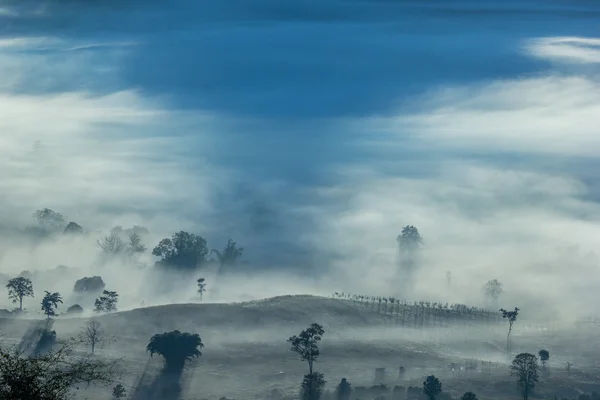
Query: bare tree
[135, 245]
[112, 244]
[93, 334]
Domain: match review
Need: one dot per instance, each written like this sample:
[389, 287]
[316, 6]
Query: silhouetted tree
[49, 220]
[306, 344]
[176, 348]
[50, 303]
[201, 286]
[73, 228]
[89, 285]
[183, 250]
[75, 309]
[119, 392]
[525, 368]
[544, 357]
[343, 390]
[432, 387]
[468, 396]
[568, 366]
[93, 334]
[229, 255]
[511, 316]
[312, 386]
[52, 375]
[18, 288]
[112, 244]
[492, 290]
[107, 302]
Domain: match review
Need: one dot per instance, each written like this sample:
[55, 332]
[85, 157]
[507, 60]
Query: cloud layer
[309, 155]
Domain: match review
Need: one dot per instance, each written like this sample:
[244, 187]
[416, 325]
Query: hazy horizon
[310, 134]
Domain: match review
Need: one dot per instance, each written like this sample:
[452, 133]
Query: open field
[246, 354]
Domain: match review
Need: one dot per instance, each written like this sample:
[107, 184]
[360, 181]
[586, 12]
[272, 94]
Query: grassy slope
[246, 354]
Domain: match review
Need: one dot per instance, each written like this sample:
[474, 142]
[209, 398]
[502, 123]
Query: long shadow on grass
[30, 341]
[166, 386]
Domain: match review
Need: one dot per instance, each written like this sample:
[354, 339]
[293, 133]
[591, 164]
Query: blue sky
[318, 130]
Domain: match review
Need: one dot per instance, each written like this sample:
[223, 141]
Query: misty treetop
[409, 239]
[107, 302]
[229, 255]
[183, 250]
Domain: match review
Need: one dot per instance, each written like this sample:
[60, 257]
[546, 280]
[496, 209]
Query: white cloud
[566, 49]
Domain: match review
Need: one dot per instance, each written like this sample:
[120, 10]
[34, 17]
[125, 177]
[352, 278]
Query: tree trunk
[21, 303]
[310, 367]
[93, 346]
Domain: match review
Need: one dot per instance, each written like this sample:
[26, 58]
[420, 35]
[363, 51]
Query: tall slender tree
[511, 316]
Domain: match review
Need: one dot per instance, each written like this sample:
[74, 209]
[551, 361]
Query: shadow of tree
[166, 386]
[37, 338]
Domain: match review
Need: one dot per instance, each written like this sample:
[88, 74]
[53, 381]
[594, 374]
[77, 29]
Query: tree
[50, 303]
[175, 347]
[511, 316]
[88, 284]
[112, 244]
[119, 392]
[312, 386]
[201, 286]
[93, 334]
[544, 357]
[75, 309]
[492, 290]
[49, 220]
[183, 250]
[50, 376]
[18, 288]
[525, 368]
[432, 387]
[135, 245]
[343, 390]
[229, 255]
[468, 396]
[107, 302]
[409, 242]
[73, 228]
[306, 344]
[410, 239]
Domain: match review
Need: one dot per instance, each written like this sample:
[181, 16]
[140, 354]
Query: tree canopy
[230, 254]
[409, 239]
[525, 368]
[49, 220]
[184, 251]
[18, 288]
[50, 303]
[176, 347]
[432, 387]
